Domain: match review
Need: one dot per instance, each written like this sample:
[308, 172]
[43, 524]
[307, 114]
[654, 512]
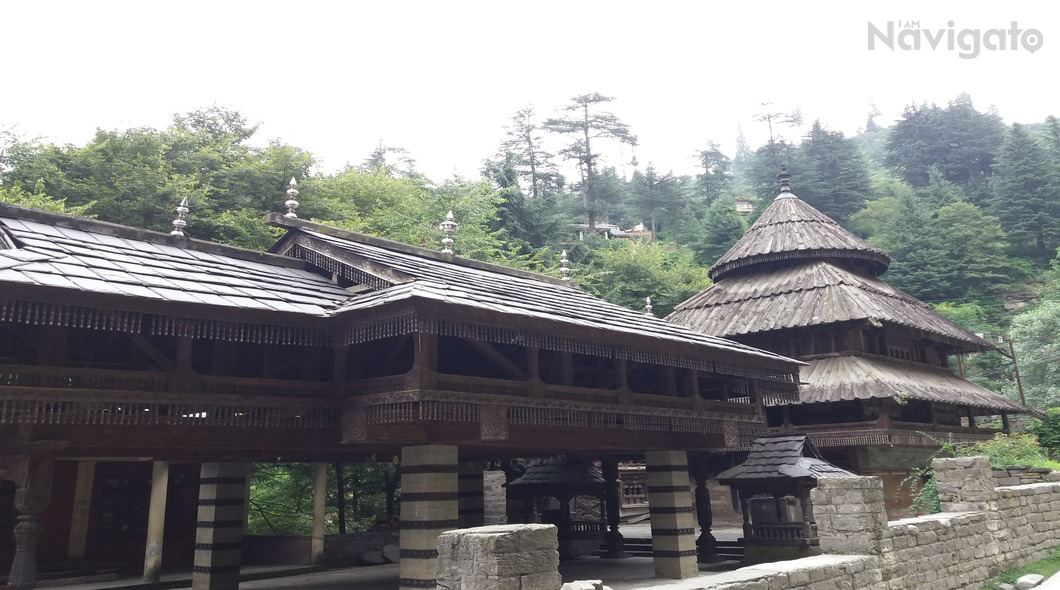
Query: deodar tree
[586, 124]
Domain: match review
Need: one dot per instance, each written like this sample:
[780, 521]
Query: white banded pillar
[320, 489]
[86, 475]
[156, 522]
[219, 526]
[673, 534]
[429, 507]
[472, 503]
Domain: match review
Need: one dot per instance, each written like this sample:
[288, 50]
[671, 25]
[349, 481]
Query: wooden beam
[159, 358]
[504, 363]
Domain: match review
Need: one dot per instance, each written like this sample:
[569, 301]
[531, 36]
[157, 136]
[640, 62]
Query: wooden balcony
[886, 432]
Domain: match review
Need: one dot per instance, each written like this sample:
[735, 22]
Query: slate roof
[810, 293]
[79, 255]
[863, 377]
[95, 257]
[790, 229]
[552, 474]
[781, 457]
[477, 285]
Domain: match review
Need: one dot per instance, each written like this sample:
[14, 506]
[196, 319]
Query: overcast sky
[441, 78]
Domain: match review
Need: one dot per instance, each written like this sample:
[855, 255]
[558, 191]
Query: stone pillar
[506, 557]
[706, 544]
[965, 484]
[670, 504]
[470, 487]
[86, 475]
[33, 475]
[219, 533]
[320, 491]
[613, 506]
[156, 522]
[494, 499]
[850, 514]
[429, 507]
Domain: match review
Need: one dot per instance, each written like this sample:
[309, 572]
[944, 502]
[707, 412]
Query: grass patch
[1046, 567]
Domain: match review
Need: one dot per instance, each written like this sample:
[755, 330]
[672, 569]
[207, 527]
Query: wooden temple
[878, 392]
[138, 366]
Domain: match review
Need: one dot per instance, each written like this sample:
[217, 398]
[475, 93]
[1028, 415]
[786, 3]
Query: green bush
[1048, 431]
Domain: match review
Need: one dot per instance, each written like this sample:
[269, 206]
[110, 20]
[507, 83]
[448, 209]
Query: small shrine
[569, 493]
[773, 486]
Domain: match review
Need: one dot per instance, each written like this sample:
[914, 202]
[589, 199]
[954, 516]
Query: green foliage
[281, 497]
[17, 196]
[833, 176]
[1045, 567]
[716, 178]
[1005, 450]
[1033, 334]
[873, 221]
[1047, 430]
[720, 228]
[1026, 194]
[626, 272]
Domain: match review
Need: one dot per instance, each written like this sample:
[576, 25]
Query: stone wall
[494, 501]
[502, 557]
[1014, 476]
[982, 531]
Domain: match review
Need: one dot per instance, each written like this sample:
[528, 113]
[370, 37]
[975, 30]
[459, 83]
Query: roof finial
[179, 224]
[647, 306]
[785, 180]
[564, 267]
[292, 198]
[448, 227]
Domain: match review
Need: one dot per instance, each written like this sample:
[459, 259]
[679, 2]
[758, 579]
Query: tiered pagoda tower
[878, 390]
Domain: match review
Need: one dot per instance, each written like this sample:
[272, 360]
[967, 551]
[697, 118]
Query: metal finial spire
[292, 198]
[179, 224]
[448, 227]
[564, 267]
[647, 306]
[785, 180]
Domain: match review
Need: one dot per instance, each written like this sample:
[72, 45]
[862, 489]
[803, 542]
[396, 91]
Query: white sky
[441, 78]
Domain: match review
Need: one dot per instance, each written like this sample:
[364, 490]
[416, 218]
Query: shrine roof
[811, 293]
[839, 378]
[791, 229]
[425, 274]
[91, 256]
[782, 457]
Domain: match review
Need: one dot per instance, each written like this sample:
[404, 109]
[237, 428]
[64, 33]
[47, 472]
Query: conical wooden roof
[790, 229]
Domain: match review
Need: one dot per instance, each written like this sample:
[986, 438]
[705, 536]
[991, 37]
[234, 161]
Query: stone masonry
[502, 557]
[982, 531]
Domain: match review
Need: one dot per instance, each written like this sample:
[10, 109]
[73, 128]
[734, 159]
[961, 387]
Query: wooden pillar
[425, 362]
[706, 544]
[613, 506]
[86, 475]
[471, 499]
[1004, 422]
[156, 522]
[533, 367]
[429, 507]
[320, 492]
[219, 526]
[670, 504]
[567, 365]
[33, 476]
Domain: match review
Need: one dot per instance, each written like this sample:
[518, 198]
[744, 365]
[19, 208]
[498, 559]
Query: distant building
[744, 205]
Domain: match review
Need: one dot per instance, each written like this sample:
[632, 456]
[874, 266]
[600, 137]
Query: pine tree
[918, 261]
[833, 175]
[1026, 194]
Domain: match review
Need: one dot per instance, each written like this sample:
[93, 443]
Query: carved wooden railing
[466, 384]
[787, 533]
[256, 387]
[886, 432]
[583, 529]
[581, 394]
[78, 378]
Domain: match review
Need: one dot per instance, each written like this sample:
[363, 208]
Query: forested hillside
[967, 206]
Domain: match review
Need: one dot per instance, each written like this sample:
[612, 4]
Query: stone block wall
[502, 557]
[1015, 476]
[495, 504]
[983, 531]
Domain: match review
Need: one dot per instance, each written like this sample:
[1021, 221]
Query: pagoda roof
[811, 293]
[781, 458]
[88, 262]
[851, 377]
[791, 230]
